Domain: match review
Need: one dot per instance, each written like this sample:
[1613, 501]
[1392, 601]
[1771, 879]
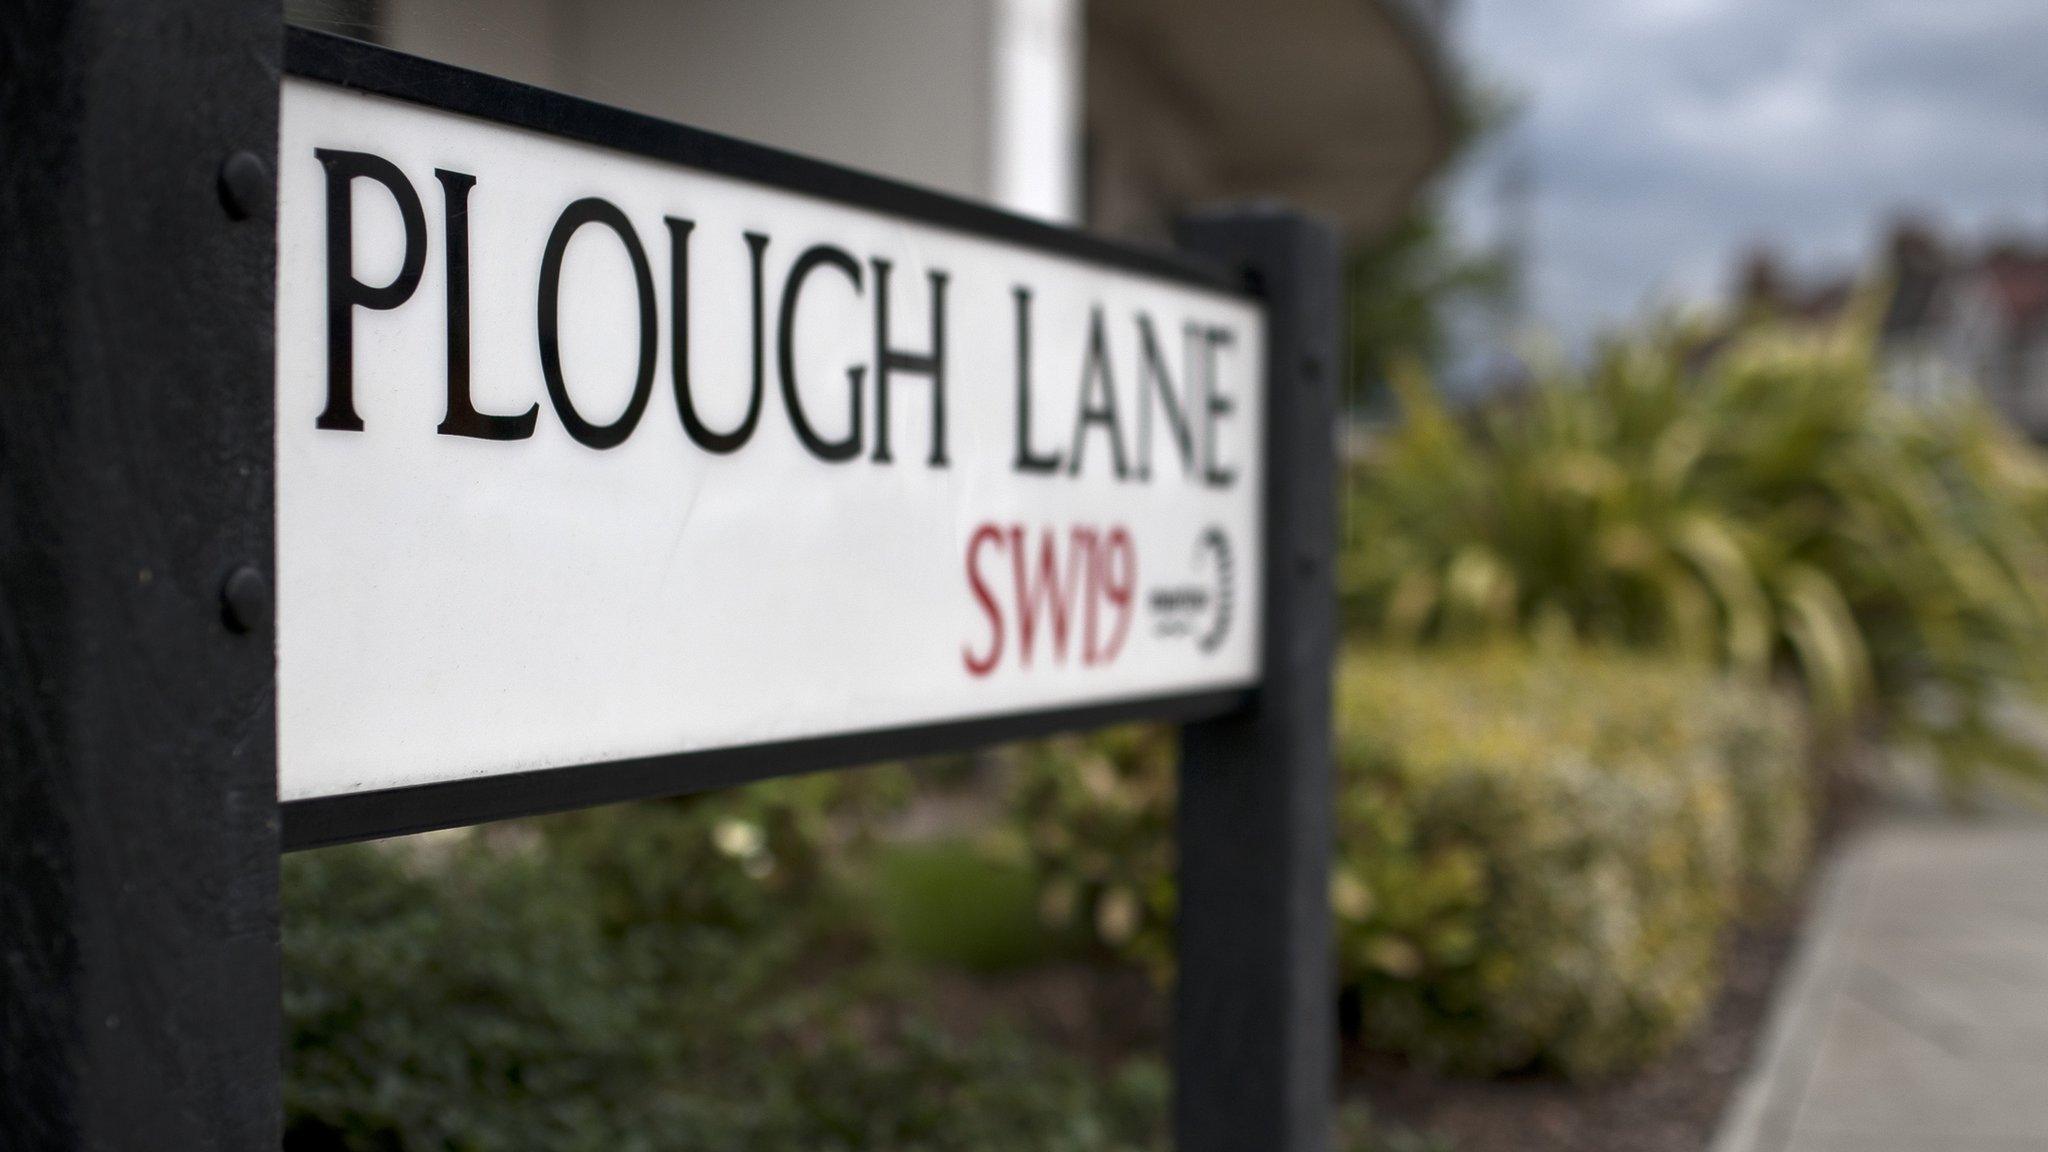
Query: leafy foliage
[1538, 855]
[1539, 858]
[957, 902]
[1776, 508]
[1096, 813]
[673, 975]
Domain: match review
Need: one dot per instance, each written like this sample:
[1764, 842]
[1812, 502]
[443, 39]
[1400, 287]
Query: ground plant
[1763, 500]
[676, 975]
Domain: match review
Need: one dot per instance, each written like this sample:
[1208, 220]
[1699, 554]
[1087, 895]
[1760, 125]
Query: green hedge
[1538, 856]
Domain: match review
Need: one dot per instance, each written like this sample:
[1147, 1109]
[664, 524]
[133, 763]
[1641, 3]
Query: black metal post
[1255, 1004]
[139, 986]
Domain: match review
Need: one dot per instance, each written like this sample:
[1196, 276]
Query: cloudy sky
[1664, 138]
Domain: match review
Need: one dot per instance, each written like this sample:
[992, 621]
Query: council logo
[1202, 608]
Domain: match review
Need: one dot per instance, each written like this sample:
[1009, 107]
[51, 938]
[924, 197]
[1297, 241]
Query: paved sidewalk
[1915, 1015]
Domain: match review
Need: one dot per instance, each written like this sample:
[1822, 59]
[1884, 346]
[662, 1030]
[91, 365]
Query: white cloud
[1669, 136]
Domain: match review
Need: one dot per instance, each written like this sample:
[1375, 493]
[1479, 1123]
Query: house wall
[1339, 107]
[1974, 345]
[2029, 400]
[1036, 157]
[516, 39]
[893, 86]
[980, 98]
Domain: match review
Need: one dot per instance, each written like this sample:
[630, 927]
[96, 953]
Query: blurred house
[1970, 318]
[1117, 114]
[1765, 289]
[1918, 361]
[1994, 324]
[1955, 317]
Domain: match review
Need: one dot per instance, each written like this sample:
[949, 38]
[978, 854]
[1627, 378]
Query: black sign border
[369, 815]
[452, 803]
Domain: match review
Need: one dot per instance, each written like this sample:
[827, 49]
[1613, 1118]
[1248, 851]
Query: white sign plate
[513, 533]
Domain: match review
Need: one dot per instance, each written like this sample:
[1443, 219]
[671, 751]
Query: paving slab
[1915, 1012]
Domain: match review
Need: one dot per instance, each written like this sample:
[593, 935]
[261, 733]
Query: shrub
[1776, 508]
[1096, 813]
[643, 977]
[956, 903]
[1537, 855]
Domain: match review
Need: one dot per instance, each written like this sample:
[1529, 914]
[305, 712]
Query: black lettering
[1215, 406]
[345, 293]
[1152, 371]
[1094, 368]
[890, 360]
[835, 451]
[704, 436]
[592, 210]
[1027, 460]
[462, 418]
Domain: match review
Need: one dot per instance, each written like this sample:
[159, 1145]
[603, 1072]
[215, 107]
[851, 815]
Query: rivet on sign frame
[245, 600]
[246, 190]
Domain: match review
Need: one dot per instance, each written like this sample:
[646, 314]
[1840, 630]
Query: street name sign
[602, 441]
[388, 446]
